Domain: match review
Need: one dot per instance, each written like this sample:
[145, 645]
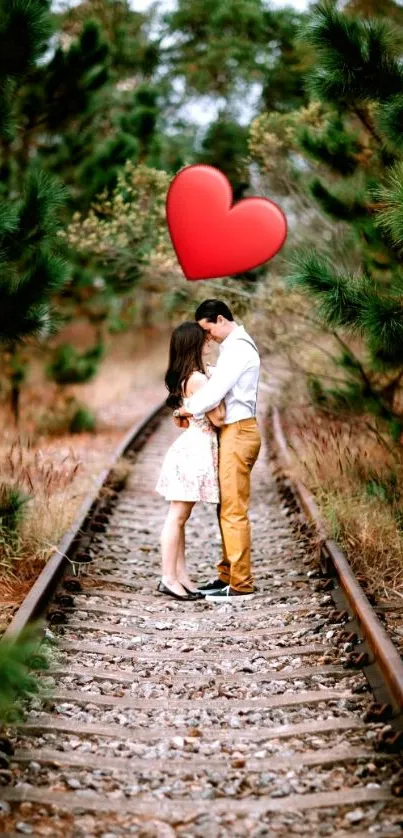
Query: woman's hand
[181, 421]
[181, 412]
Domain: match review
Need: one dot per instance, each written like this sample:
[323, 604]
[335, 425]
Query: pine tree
[62, 108]
[357, 152]
[132, 53]
[226, 46]
[225, 147]
[32, 270]
[134, 137]
[283, 88]
[118, 120]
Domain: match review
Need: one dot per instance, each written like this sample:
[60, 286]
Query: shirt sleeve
[227, 372]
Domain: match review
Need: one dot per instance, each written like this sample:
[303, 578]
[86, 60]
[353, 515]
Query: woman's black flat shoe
[194, 594]
[167, 591]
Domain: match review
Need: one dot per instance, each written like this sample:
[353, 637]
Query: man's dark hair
[211, 309]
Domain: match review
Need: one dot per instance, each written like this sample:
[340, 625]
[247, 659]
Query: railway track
[164, 719]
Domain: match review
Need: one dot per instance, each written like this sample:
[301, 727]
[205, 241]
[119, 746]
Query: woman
[190, 469]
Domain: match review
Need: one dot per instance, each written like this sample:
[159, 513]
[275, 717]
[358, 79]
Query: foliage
[356, 478]
[29, 25]
[344, 149]
[226, 46]
[134, 138]
[126, 232]
[83, 421]
[12, 503]
[31, 268]
[19, 658]
[131, 51]
[225, 147]
[69, 366]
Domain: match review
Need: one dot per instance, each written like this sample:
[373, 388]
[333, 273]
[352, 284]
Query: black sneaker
[212, 587]
[228, 594]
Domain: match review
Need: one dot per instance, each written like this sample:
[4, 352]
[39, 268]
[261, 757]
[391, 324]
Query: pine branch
[356, 59]
[388, 391]
[344, 202]
[357, 363]
[334, 147]
[382, 321]
[390, 217]
[362, 113]
[340, 298]
[382, 441]
[43, 197]
[25, 28]
[390, 120]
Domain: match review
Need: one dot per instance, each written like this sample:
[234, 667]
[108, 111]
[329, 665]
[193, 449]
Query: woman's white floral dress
[190, 468]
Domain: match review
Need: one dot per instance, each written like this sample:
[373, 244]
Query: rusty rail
[44, 586]
[385, 653]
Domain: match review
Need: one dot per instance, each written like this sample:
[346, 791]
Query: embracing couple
[213, 459]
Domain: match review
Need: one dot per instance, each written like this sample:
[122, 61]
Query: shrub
[69, 366]
[19, 658]
[83, 421]
[12, 503]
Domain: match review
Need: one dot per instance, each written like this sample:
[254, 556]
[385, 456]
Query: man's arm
[226, 374]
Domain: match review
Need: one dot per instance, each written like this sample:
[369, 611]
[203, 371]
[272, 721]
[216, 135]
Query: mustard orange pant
[239, 447]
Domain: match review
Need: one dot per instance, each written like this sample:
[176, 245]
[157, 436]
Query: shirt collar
[234, 335]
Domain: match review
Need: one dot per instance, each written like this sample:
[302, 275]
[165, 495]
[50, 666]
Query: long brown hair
[185, 357]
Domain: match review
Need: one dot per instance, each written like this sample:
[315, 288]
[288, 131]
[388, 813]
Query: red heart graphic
[213, 237]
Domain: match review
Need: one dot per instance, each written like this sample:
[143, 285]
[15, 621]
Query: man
[235, 380]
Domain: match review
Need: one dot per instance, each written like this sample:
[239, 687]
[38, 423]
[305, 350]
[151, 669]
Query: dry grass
[48, 483]
[348, 468]
[357, 481]
[59, 471]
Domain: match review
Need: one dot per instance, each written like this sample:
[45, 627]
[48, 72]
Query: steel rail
[385, 653]
[44, 586]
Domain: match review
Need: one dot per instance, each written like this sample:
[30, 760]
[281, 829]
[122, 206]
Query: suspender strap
[252, 343]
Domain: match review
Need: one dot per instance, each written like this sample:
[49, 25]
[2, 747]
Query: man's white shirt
[234, 379]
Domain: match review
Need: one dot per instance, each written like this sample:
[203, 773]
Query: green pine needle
[355, 57]
[389, 120]
[335, 147]
[25, 27]
[340, 298]
[390, 217]
[43, 197]
[382, 321]
[344, 201]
